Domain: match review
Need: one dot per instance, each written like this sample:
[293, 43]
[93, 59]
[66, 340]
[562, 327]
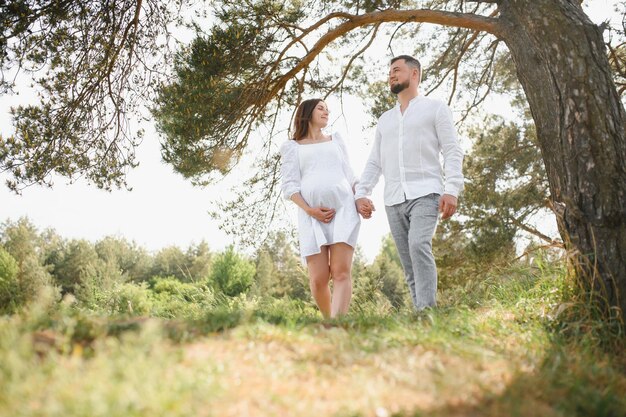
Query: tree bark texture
[562, 65]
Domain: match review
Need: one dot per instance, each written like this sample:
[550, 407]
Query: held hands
[322, 214]
[447, 206]
[365, 207]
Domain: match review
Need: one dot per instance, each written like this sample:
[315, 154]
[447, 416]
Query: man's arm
[451, 150]
[371, 172]
[369, 179]
[452, 161]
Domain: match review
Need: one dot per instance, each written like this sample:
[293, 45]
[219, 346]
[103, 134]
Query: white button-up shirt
[406, 152]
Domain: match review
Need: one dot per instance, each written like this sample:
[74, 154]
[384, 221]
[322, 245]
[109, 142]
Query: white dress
[322, 174]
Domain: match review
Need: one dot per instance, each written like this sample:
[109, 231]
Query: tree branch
[355, 56]
[465, 20]
[534, 232]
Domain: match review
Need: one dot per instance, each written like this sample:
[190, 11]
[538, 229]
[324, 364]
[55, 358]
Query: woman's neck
[315, 133]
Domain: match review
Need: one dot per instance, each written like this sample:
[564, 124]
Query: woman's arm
[289, 169]
[323, 214]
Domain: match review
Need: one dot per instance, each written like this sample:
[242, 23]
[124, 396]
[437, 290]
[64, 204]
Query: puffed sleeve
[347, 167]
[290, 169]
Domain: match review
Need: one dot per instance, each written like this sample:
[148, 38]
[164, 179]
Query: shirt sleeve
[372, 171]
[451, 150]
[347, 167]
[290, 169]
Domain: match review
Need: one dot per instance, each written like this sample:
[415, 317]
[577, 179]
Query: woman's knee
[319, 280]
[340, 274]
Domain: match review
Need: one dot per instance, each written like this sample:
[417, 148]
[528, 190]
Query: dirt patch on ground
[324, 374]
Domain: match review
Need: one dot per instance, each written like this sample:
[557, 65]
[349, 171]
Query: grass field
[510, 344]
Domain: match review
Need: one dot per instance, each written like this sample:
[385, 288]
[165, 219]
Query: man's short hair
[410, 61]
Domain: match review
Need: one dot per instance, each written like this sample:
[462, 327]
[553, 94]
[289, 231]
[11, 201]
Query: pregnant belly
[327, 195]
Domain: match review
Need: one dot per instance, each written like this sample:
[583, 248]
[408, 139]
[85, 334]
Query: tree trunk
[562, 65]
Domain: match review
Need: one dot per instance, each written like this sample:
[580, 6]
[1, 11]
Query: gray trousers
[413, 225]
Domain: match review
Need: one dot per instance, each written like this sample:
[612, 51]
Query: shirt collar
[413, 100]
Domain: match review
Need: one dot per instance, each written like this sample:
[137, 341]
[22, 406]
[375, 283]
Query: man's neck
[405, 96]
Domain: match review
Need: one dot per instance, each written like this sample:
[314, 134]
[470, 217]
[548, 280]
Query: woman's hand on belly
[322, 214]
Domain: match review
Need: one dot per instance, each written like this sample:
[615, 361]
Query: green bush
[10, 296]
[78, 268]
[232, 274]
[24, 243]
[173, 298]
[180, 290]
[130, 299]
[124, 259]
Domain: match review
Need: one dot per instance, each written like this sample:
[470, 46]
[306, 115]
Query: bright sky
[163, 208]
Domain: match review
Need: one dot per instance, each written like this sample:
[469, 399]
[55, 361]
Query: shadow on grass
[569, 382]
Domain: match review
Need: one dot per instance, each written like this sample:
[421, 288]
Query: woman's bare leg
[319, 278]
[341, 273]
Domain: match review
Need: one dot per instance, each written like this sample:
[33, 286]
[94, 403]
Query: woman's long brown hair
[303, 117]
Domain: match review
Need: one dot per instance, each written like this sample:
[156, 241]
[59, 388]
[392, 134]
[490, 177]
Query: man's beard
[398, 88]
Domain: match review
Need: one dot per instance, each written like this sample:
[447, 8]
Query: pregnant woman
[317, 176]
